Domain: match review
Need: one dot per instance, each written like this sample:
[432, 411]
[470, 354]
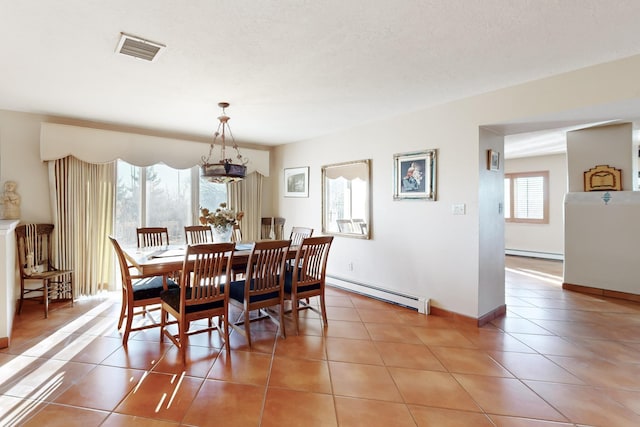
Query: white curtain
[83, 198]
[246, 196]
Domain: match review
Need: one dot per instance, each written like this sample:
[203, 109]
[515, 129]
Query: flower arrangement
[222, 217]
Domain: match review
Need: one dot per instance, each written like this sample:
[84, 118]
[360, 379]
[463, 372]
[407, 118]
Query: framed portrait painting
[493, 160]
[414, 175]
[296, 182]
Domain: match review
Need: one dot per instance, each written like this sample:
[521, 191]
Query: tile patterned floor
[556, 359]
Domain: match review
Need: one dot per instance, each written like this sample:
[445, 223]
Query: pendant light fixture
[226, 170]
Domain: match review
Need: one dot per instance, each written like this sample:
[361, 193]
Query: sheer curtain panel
[246, 196]
[83, 198]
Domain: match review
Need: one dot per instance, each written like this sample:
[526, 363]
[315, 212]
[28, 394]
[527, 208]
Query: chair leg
[294, 312]
[226, 331]
[122, 310]
[21, 295]
[323, 309]
[282, 331]
[127, 326]
[45, 295]
[247, 325]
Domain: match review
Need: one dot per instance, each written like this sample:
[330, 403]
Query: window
[160, 196]
[526, 197]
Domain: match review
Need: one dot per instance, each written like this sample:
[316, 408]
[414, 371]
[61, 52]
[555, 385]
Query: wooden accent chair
[203, 294]
[308, 280]
[262, 286]
[198, 234]
[272, 228]
[152, 236]
[236, 236]
[138, 291]
[299, 233]
[36, 263]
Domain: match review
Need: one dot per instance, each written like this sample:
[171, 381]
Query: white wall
[541, 238]
[418, 247]
[605, 145]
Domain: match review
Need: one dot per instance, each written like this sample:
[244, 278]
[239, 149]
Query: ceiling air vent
[138, 48]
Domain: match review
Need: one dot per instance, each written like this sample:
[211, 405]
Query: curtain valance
[103, 146]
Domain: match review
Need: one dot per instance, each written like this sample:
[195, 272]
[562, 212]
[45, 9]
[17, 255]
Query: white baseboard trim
[421, 304]
[534, 254]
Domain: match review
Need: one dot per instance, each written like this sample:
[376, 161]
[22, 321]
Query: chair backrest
[206, 266]
[311, 259]
[152, 236]
[299, 233]
[272, 227]
[198, 234]
[125, 268]
[236, 236]
[266, 267]
[34, 248]
[345, 225]
[359, 225]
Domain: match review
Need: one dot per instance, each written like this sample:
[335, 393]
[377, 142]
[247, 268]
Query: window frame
[545, 197]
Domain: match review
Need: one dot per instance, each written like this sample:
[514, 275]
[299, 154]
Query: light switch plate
[458, 209]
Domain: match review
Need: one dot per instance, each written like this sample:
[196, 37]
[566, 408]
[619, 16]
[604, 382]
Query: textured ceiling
[293, 69]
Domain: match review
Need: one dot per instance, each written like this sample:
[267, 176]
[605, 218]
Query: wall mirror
[346, 192]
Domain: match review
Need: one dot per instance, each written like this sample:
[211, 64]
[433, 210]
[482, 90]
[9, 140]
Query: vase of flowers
[221, 221]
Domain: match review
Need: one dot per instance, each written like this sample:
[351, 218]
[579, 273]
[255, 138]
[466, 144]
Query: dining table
[165, 260]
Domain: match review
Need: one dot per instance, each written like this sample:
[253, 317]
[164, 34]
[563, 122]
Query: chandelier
[225, 170]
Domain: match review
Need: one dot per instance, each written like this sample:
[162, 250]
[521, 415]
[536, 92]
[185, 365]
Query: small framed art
[414, 175]
[493, 160]
[296, 182]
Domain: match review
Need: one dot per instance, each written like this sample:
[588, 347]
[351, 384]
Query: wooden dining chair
[138, 291]
[198, 234]
[35, 261]
[262, 286]
[272, 228]
[299, 233]
[236, 236]
[308, 280]
[152, 236]
[203, 294]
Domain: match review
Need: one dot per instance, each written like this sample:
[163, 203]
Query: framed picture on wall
[414, 175]
[493, 160]
[296, 182]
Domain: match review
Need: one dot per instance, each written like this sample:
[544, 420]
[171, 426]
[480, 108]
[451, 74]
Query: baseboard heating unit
[406, 300]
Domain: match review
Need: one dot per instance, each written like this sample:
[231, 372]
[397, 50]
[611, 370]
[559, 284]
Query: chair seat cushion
[288, 284]
[237, 292]
[172, 298]
[150, 287]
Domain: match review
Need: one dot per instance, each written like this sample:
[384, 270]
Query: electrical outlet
[458, 209]
[350, 266]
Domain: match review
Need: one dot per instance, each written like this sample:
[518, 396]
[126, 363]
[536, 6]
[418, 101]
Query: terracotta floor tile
[430, 388]
[416, 356]
[585, 405]
[442, 337]
[284, 408]
[426, 416]
[364, 381]
[504, 421]
[97, 350]
[47, 381]
[551, 345]
[242, 367]
[236, 404]
[496, 340]
[161, 396]
[601, 373]
[138, 355]
[354, 351]
[534, 366]
[392, 332]
[302, 346]
[343, 329]
[338, 301]
[54, 415]
[121, 420]
[343, 313]
[520, 325]
[85, 393]
[372, 413]
[15, 410]
[383, 315]
[300, 374]
[507, 396]
[469, 361]
[199, 361]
